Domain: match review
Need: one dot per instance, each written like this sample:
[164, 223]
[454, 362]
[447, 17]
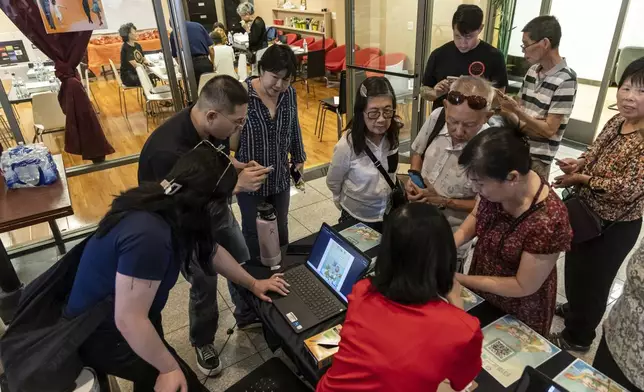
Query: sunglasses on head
[171, 187]
[475, 102]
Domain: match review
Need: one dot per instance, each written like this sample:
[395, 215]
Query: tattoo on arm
[132, 284]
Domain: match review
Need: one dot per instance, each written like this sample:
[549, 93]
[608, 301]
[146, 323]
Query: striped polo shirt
[550, 92]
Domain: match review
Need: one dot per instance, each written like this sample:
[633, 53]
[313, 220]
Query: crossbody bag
[398, 197]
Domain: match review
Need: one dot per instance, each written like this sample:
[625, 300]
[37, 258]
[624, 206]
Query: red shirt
[391, 347]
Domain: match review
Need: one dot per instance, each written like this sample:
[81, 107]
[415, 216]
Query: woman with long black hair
[139, 248]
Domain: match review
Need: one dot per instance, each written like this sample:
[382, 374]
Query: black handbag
[587, 224]
[398, 197]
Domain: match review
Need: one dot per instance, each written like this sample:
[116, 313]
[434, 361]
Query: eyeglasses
[386, 113]
[475, 102]
[524, 47]
[171, 187]
[239, 123]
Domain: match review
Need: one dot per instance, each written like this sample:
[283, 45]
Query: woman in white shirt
[224, 56]
[359, 189]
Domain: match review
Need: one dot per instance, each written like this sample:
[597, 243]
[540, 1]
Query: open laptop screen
[336, 261]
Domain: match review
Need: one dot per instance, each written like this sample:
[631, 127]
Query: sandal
[558, 340]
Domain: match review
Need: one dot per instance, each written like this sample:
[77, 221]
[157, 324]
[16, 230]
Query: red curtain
[83, 132]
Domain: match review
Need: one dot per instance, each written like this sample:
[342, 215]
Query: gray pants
[204, 313]
[541, 168]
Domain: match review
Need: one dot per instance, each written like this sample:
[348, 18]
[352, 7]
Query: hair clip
[363, 91]
[170, 187]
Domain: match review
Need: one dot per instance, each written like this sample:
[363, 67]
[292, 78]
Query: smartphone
[559, 161]
[416, 178]
[452, 78]
[295, 174]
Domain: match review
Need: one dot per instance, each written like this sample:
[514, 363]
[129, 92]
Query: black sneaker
[253, 324]
[208, 360]
[561, 309]
[558, 340]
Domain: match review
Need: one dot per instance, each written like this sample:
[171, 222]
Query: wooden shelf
[297, 11]
[305, 31]
[325, 17]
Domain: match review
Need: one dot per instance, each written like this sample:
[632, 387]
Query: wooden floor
[92, 194]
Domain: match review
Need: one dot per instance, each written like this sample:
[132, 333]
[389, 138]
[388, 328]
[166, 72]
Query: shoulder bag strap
[440, 123]
[378, 166]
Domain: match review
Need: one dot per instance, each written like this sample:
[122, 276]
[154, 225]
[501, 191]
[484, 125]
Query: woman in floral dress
[521, 225]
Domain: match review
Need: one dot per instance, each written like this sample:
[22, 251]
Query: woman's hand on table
[275, 283]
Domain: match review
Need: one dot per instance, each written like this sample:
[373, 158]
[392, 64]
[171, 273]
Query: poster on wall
[62, 16]
[12, 52]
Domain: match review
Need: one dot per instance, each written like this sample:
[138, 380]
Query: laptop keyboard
[316, 297]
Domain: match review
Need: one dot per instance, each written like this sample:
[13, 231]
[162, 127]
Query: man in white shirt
[439, 143]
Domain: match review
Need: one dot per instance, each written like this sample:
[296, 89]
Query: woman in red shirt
[521, 225]
[405, 329]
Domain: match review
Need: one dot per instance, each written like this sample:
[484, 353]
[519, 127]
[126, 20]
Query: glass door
[127, 114]
[382, 39]
[590, 56]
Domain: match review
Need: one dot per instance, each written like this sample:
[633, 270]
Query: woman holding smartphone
[610, 181]
[359, 189]
[521, 225]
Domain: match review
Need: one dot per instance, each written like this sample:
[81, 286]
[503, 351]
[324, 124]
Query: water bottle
[14, 84]
[305, 46]
[268, 235]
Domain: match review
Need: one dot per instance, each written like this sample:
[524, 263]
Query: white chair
[122, 89]
[152, 99]
[242, 67]
[48, 115]
[204, 79]
[84, 75]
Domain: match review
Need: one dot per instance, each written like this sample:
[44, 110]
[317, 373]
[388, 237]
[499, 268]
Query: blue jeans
[248, 206]
[204, 314]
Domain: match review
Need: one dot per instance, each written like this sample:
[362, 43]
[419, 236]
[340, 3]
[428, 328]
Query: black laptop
[533, 380]
[319, 287]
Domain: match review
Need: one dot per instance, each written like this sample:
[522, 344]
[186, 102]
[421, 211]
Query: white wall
[525, 11]
[119, 12]
[633, 33]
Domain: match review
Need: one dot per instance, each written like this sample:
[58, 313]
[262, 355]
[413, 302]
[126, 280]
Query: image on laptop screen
[336, 262]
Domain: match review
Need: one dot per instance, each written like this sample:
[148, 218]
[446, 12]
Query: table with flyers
[508, 345]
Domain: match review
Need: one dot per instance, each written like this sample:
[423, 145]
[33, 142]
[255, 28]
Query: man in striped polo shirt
[547, 96]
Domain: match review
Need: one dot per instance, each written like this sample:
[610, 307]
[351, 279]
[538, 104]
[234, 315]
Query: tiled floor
[241, 352]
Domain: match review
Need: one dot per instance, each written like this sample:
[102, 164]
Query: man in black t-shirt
[465, 55]
[219, 113]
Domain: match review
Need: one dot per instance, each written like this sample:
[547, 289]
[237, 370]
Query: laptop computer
[319, 287]
[533, 380]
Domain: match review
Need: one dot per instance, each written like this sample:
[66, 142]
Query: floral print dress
[501, 242]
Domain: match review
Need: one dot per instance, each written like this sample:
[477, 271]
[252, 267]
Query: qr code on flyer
[500, 350]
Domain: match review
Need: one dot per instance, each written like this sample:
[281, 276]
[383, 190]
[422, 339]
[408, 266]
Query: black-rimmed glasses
[524, 47]
[375, 114]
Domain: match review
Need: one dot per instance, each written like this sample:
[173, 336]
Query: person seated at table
[150, 233]
[359, 190]
[521, 225]
[131, 56]
[405, 329]
[465, 113]
[223, 56]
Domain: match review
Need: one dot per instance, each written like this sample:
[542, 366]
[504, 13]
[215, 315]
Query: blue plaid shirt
[269, 141]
